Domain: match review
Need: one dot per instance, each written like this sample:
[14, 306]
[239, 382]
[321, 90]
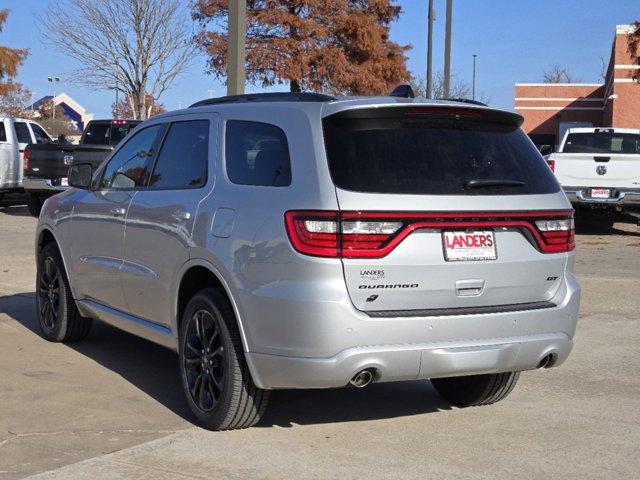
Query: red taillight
[26, 164]
[376, 234]
[552, 165]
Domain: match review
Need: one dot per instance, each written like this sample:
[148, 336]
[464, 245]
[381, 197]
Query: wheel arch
[196, 275]
[46, 235]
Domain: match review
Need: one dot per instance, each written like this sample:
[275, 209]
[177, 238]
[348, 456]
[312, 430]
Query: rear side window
[182, 162]
[22, 132]
[3, 133]
[434, 151]
[40, 134]
[602, 142]
[257, 154]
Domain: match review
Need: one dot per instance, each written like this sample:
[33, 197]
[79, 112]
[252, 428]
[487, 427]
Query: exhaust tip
[362, 378]
[547, 361]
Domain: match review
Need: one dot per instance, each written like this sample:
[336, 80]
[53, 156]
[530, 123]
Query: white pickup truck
[15, 135]
[599, 170]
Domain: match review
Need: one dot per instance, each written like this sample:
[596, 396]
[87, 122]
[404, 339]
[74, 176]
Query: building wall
[616, 103]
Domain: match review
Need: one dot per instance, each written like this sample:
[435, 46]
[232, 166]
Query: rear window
[106, 133]
[434, 151]
[602, 142]
[3, 133]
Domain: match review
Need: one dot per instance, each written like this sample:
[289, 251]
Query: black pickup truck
[46, 164]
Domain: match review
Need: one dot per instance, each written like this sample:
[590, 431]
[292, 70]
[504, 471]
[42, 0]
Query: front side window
[3, 133]
[22, 132]
[40, 134]
[257, 154]
[182, 161]
[129, 167]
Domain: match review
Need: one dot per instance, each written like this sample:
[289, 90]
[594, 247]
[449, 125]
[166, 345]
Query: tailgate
[443, 209]
[47, 161]
[597, 170]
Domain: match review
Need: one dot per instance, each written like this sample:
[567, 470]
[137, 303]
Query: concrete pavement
[111, 407]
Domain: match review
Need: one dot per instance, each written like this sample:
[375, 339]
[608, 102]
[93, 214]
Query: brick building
[549, 108]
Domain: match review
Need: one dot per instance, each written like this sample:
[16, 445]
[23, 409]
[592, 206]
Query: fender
[201, 262]
[42, 227]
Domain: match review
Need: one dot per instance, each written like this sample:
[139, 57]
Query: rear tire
[58, 315]
[476, 390]
[215, 378]
[34, 204]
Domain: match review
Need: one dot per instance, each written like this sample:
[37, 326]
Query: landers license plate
[600, 193]
[467, 246]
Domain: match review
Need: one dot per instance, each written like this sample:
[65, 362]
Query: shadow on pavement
[154, 370]
[14, 204]
[626, 226]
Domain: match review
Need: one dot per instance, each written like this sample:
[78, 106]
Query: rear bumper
[510, 341]
[43, 184]
[622, 197]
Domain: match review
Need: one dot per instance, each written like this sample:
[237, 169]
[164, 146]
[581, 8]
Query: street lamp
[53, 79]
[473, 83]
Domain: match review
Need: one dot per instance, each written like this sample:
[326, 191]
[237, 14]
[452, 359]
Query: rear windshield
[434, 152]
[602, 142]
[106, 133]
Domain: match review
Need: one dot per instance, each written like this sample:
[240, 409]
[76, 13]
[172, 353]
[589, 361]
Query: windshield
[433, 154]
[602, 142]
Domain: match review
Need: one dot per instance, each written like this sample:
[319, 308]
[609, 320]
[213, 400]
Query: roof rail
[267, 97]
[465, 100]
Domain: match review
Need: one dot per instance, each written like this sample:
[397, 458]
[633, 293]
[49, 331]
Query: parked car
[15, 134]
[599, 170]
[308, 241]
[46, 164]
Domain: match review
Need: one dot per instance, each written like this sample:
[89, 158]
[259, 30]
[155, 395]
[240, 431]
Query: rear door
[23, 138]
[445, 196]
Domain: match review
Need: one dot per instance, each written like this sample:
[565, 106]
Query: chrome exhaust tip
[362, 378]
[547, 361]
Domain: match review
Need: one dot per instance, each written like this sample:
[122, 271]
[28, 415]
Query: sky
[514, 40]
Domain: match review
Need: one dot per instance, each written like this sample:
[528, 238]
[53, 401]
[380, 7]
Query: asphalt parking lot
[111, 407]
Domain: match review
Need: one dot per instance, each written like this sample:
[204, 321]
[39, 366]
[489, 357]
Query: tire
[58, 315]
[214, 375]
[476, 390]
[34, 204]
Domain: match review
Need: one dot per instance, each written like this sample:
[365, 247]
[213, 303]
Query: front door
[98, 222]
[161, 217]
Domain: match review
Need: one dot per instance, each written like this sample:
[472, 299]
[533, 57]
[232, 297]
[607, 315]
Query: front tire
[476, 390]
[215, 378]
[58, 315]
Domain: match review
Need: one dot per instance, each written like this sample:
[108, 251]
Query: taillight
[552, 165]
[558, 234]
[376, 234]
[26, 164]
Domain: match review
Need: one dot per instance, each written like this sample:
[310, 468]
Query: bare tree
[558, 74]
[458, 88]
[13, 99]
[137, 47]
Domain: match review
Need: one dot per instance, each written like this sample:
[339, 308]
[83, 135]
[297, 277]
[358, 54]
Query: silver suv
[304, 241]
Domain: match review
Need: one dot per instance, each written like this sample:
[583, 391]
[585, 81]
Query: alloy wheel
[49, 293]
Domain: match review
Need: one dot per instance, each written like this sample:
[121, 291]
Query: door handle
[118, 211]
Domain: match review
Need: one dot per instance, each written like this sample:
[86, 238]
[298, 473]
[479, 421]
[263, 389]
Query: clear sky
[515, 40]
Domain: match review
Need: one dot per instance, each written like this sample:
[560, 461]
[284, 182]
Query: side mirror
[80, 176]
[545, 150]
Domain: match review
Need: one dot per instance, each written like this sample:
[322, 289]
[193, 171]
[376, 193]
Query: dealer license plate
[600, 193]
[460, 246]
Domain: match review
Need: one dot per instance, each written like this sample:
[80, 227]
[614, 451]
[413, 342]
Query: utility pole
[447, 52]
[431, 18]
[473, 83]
[236, 45]
[116, 107]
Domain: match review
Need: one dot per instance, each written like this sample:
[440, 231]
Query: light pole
[473, 83]
[447, 52]
[33, 94]
[431, 18]
[237, 39]
[53, 79]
